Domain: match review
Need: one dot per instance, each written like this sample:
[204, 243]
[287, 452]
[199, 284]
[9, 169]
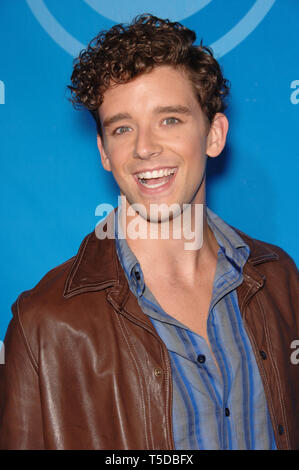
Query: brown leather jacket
[85, 368]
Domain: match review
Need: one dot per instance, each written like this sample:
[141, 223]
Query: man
[139, 342]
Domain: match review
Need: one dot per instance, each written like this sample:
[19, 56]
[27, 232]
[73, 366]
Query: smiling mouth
[156, 178]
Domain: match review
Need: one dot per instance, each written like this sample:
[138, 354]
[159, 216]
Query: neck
[180, 248]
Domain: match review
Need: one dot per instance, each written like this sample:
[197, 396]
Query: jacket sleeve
[20, 407]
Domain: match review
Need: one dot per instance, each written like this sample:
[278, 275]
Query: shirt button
[280, 429]
[201, 358]
[263, 355]
[158, 372]
[227, 412]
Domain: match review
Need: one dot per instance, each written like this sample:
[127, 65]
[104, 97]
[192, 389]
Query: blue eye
[121, 130]
[171, 120]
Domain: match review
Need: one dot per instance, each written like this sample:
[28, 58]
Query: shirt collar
[231, 244]
[128, 260]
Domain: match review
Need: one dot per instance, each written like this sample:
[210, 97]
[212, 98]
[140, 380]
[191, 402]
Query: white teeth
[156, 173]
[153, 185]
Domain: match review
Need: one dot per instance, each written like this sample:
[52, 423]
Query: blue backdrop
[51, 176]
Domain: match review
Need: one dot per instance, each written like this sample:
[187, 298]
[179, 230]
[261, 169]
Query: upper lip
[143, 170]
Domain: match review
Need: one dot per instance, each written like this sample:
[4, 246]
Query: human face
[154, 123]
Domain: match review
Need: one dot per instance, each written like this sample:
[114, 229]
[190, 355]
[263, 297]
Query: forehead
[164, 85]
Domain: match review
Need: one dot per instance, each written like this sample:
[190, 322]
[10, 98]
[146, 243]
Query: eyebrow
[177, 109]
[117, 117]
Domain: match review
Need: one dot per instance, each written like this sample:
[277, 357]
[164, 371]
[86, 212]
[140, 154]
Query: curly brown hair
[125, 51]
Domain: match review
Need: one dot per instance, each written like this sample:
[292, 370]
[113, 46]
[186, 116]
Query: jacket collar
[260, 252]
[96, 267]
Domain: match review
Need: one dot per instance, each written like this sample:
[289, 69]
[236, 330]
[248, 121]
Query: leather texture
[85, 369]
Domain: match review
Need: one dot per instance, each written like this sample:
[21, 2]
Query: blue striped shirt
[210, 410]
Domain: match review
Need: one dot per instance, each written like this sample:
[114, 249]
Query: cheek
[119, 168]
[192, 149]
[199, 149]
[191, 139]
[118, 150]
[115, 157]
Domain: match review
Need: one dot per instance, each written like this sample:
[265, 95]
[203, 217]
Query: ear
[104, 157]
[217, 135]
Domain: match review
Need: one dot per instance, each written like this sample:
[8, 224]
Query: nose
[146, 145]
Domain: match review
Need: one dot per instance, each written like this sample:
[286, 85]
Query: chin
[159, 212]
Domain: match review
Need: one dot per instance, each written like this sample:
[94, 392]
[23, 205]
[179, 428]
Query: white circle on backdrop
[176, 11]
[123, 12]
